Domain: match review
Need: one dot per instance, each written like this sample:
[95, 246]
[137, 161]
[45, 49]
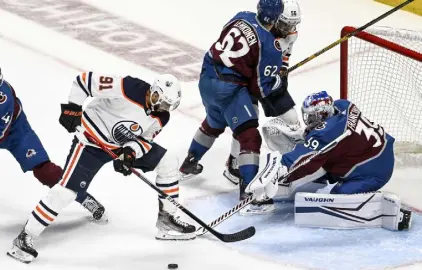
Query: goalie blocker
[365, 210]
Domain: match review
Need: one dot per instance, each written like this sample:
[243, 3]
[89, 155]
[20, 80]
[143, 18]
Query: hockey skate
[172, 228]
[190, 167]
[258, 208]
[231, 171]
[99, 215]
[405, 220]
[23, 248]
[255, 207]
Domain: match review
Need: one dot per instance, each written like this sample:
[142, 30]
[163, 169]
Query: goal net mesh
[385, 81]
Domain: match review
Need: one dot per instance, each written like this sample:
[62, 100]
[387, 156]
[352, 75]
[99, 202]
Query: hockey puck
[172, 266]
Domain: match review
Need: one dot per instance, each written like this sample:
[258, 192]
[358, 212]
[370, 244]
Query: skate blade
[247, 211]
[185, 177]
[231, 177]
[167, 236]
[20, 255]
[102, 221]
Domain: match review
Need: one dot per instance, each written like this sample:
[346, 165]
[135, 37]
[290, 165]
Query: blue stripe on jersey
[81, 85]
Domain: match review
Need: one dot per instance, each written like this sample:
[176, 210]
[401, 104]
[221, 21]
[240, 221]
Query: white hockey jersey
[287, 46]
[118, 116]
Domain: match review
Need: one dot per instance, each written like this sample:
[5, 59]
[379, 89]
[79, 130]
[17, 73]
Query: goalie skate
[172, 228]
[99, 215]
[258, 208]
[23, 248]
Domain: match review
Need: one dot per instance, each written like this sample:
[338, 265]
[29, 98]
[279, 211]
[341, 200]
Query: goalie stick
[234, 237]
[202, 230]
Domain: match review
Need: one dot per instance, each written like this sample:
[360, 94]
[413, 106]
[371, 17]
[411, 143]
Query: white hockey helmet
[290, 18]
[168, 89]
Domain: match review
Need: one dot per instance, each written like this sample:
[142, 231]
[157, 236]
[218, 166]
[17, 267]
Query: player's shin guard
[351, 211]
[43, 215]
[58, 197]
[169, 226]
[203, 140]
[231, 171]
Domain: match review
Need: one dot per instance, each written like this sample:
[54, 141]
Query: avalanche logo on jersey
[125, 131]
[30, 153]
[277, 45]
[3, 98]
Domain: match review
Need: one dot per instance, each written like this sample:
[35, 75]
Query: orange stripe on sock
[171, 190]
[39, 210]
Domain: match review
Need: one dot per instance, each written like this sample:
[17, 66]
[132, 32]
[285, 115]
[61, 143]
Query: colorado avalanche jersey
[118, 115]
[10, 109]
[247, 50]
[367, 152]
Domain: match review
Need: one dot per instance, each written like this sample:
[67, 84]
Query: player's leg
[240, 115]
[231, 171]
[213, 125]
[82, 165]
[28, 150]
[166, 165]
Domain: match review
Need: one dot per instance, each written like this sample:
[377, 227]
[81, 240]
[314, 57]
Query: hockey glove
[279, 99]
[71, 116]
[125, 160]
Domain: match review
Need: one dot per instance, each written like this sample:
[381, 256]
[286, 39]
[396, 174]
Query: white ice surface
[41, 65]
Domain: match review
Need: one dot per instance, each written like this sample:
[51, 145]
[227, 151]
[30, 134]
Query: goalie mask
[289, 19]
[165, 93]
[317, 108]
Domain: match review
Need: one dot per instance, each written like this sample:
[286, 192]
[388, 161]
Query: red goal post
[381, 72]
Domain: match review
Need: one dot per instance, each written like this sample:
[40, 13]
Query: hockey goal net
[381, 72]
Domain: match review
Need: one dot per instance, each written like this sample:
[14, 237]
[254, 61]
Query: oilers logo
[125, 131]
[3, 98]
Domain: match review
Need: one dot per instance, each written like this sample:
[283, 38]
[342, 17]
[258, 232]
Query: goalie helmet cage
[381, 72]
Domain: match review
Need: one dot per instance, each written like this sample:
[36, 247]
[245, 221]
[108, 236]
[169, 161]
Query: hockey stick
[234, 237]
[346, 37]
[248, 200]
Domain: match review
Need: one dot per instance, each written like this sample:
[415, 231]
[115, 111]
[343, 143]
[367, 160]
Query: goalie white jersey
[118, 115]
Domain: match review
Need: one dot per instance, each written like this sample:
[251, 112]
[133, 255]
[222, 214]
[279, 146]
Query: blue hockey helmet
[269, 10]
[317, 107]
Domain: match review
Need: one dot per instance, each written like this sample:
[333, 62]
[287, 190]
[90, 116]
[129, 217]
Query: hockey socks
[48, 209]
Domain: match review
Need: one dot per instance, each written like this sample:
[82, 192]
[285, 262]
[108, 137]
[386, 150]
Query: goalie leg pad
[353, 211]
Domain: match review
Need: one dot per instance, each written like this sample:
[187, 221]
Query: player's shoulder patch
[277, 45]
[135, 90]
[162, 117]
[6, 91]
[3, 97]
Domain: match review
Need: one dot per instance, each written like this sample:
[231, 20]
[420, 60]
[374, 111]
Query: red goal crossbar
[374, 40]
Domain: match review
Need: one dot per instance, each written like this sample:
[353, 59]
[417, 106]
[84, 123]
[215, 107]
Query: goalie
[356, 156]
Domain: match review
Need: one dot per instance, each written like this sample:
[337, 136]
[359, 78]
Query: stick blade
[238, 236]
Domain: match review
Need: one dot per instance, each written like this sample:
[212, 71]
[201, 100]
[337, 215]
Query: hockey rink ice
[43, 46]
